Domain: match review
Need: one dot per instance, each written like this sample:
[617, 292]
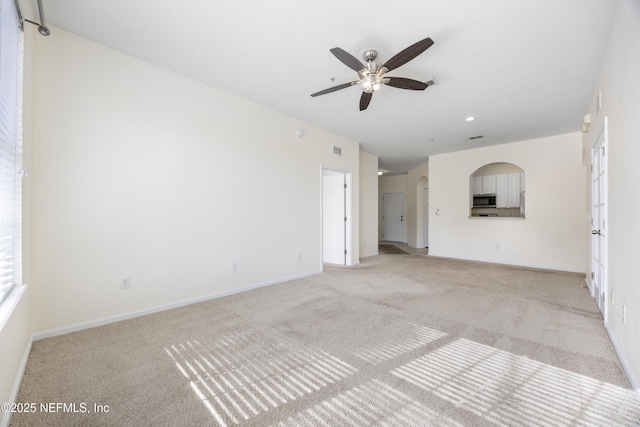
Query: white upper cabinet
[489, 184]
[483, 184]
[502, 191]
[513, 190]
[476, 184]
[508, 190]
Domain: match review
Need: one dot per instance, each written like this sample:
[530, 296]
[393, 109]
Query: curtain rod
[42, 27]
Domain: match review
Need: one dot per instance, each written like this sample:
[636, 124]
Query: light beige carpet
[398, 341]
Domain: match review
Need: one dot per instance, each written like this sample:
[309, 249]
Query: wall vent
[337, 150]
[476, 137]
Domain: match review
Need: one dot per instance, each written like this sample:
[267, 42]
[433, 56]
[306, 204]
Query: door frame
[600, 269]
[348, 206]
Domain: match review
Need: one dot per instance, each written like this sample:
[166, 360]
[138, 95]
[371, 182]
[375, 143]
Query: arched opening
[497, 190]
[422, 213]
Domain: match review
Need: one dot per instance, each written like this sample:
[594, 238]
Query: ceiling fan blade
[334, 88]
[365, 99]
[402, 83]
[347, 59]
[408, 54]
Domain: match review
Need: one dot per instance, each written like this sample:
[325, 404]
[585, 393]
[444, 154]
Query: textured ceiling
[524, 68]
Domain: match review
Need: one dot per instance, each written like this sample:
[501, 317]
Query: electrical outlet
[234, 268]
[624, 314]
[125, 283]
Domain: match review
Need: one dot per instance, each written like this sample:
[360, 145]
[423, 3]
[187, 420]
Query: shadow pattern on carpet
[391, 250]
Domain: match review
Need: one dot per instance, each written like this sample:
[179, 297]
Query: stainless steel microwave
[484, 200]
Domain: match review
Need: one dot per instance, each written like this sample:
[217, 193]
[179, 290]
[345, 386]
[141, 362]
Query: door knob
[595, 231]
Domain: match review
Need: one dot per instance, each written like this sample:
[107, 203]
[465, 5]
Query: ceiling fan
[371, 75]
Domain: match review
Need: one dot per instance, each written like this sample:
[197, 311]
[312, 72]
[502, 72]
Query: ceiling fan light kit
[371, 74]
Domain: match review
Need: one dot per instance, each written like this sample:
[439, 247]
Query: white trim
[10, 302]
[125, 316]
[16, 384]
[348, 205]
[635, 382]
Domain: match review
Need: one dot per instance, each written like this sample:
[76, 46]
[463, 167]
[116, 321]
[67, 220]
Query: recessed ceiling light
[470, 118]
[380, 172]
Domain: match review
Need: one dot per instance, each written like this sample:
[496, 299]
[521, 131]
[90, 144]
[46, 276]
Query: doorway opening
[336, 217]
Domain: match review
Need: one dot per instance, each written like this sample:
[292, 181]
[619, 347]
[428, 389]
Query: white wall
[391, 184]
[368, 204]
[552, 235]
[620, 88]
[144, 173]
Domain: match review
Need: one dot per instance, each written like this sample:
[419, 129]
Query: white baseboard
[369, 255]
[117, 318]
[526, 266]
[4, 422]
[635, 381]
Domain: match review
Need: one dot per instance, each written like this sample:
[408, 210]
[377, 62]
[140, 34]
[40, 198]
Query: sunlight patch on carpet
[413, 336]
[507, 389]
[240, 375]
[372, 403]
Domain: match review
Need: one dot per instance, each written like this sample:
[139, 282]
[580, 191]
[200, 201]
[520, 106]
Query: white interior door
[425, 215]
[333, 217]
[599, 222]
[393, 217]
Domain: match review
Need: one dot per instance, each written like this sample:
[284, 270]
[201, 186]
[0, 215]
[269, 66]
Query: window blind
[11, 59]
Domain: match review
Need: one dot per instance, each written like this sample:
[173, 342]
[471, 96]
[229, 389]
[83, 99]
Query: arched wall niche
[422, 213]
[497, 190]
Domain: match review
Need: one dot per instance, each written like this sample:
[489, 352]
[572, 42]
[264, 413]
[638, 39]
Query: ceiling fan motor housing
[370, 55]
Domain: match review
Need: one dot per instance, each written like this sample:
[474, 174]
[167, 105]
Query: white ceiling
[524, 68]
